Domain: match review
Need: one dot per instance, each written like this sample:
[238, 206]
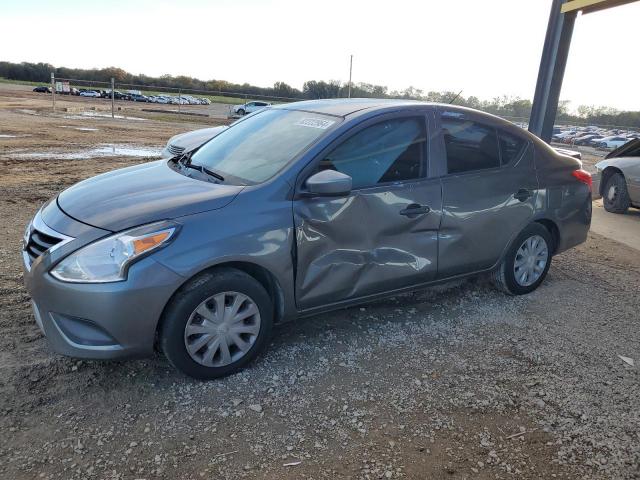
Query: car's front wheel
[526, 263]
[615, 196]
[216, 324]
[241, 111]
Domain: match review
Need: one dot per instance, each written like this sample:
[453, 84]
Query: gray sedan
[618, 178]
[292, 211]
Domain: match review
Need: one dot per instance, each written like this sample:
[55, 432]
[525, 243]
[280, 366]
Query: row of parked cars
[593, 136]
[134, 96]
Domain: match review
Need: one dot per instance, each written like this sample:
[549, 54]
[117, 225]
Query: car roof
[342, 107]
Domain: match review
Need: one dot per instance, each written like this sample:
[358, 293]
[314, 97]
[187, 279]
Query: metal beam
[551, 73]
[589, 6]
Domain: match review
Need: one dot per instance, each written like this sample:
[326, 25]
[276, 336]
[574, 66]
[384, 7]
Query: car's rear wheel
[216, 324]
[526, 263]
[615, 196]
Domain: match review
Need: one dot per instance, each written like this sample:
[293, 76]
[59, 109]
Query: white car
[249, 107]
[89, 93]
[191, 100]
[185, 142]
[612, 142]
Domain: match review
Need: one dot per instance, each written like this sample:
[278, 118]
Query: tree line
[509, 107]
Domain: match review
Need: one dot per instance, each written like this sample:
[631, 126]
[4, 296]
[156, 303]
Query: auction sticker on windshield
[315, 123]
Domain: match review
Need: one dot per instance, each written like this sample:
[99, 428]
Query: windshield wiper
[204, 169]
[185, 161]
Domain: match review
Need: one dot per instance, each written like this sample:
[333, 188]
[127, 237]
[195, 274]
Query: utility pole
[350, 70]
[53, 90]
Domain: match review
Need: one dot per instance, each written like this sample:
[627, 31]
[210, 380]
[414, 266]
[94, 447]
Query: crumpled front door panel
[359, 245]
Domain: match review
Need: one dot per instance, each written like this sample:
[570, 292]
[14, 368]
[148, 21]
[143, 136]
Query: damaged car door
[489, 186]
[382, 234]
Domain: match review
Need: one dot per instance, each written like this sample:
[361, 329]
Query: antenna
[455, 98]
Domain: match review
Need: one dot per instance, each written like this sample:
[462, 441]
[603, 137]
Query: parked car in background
[617, 178]
[42, 89]
[136, 97]
[188, 141]
[90, 93]
[296, 210]
[249, 107]
[584, 139]
[562, 135]
[612, 142]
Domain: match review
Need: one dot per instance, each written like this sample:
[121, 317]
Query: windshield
[255, 149]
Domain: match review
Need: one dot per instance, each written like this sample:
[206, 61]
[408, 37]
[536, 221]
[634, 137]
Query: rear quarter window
[511, 147]
[469, 145]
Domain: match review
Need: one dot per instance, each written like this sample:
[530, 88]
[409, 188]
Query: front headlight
[26, 235]
[107, 260]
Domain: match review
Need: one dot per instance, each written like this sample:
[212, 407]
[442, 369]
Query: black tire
[615, 196]
[189, 297]
[504, 277]
[241, 111]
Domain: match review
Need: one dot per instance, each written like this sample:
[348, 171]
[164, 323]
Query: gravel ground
[457, 382]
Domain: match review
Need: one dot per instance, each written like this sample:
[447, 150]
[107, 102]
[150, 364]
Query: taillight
[584, 177]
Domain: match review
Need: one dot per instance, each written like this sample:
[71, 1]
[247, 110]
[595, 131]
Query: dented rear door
[368, 242]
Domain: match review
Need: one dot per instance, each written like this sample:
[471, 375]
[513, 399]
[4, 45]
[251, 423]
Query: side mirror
[329, 183]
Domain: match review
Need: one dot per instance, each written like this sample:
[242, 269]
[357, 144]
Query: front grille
[175, 150]
[39, 242]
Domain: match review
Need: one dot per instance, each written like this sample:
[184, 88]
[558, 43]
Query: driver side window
[389, 151]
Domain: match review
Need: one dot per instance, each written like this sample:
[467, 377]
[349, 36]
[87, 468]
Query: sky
[484, 48]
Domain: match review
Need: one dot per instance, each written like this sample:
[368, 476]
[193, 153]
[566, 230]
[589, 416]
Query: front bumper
[100, 321]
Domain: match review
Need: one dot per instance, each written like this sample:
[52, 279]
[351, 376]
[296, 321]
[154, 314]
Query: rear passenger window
[510, 147]
[470, 145]
[389, 151]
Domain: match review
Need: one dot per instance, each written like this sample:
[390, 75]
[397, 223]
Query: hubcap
[611, 193]
[222, 329]
[531, 260]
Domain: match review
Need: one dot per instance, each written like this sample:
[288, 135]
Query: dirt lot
[455, 382]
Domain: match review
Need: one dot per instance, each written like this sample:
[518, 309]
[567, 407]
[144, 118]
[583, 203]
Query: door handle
[414, 210]
[522, 194]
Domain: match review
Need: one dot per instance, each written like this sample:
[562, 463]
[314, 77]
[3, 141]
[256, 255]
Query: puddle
[83, 115]
[107, 150]
[82, 129]
[8, 135]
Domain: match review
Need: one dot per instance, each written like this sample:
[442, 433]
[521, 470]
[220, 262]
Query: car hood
[191, 140]
[142, 194]
[628, 149]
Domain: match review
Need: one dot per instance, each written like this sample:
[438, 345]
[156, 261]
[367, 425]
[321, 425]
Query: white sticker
[315, 123]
